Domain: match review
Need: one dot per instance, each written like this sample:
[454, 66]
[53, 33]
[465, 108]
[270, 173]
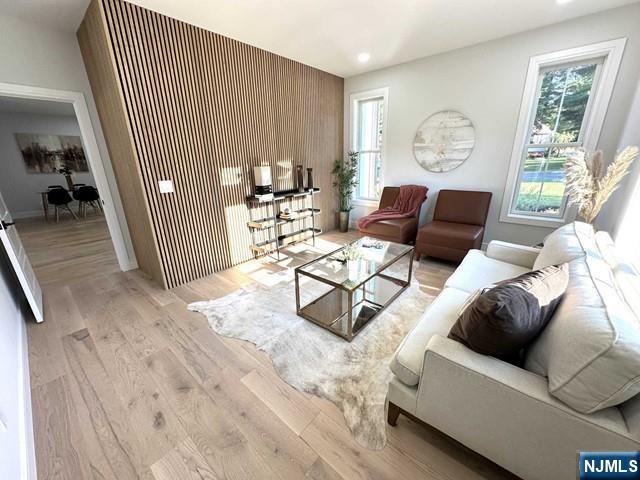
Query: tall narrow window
[556, 131]
[368, 113]
[562, 111]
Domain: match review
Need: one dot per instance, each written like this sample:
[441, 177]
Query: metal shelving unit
[266, 226]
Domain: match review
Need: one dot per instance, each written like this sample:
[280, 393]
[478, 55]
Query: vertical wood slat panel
[97, 49]
[136, 117]
[204, 109]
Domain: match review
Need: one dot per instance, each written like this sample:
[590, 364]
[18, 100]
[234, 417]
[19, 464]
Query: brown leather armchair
[399, 230]
[457, 227]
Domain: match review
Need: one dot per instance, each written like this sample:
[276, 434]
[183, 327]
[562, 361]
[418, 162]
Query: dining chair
[60, 198]
[87, 195]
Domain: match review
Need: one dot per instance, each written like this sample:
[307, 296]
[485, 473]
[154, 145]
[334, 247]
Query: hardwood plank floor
[69, 250]
[126, 383]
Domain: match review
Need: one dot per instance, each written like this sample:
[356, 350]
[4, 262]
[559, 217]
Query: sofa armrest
[505, 413]
[531, 385]
[445, 349]
[512, 253]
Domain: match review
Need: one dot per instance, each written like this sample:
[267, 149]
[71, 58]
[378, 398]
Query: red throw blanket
[409, 201]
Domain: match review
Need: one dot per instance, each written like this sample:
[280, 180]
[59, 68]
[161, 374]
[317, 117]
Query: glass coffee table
[344, 290]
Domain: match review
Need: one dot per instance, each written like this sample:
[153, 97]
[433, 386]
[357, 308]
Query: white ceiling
[329, 34]
[64, 15]
[42, 107]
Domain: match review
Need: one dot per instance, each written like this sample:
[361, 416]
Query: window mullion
[536, 192]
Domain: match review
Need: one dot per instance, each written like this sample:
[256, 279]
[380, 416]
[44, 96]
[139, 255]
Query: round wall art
[444, 141]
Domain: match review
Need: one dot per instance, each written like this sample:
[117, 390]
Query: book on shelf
[288, 214]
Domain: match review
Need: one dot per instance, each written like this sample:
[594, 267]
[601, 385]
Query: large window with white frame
[564, 103]
[368, 125]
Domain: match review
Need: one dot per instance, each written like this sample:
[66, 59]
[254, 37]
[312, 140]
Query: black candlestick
[300, 178]
[309, 178]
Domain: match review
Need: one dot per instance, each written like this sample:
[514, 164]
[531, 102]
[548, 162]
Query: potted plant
[67, 172]
[589, 186]
[345, 172]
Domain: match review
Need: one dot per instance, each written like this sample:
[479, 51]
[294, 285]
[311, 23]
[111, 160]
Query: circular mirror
[444, 141]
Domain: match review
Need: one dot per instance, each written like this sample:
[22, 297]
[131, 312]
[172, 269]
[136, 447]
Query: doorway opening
[54, 191]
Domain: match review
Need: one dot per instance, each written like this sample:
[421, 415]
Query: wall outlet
[166, 186]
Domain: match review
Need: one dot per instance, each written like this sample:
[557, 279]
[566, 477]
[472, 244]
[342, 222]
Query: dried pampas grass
[589, 187]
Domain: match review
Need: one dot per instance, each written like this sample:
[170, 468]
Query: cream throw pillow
[473, 297]
[567, 243]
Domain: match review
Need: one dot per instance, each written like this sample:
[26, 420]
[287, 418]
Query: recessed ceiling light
[562, 2]
[363, 57]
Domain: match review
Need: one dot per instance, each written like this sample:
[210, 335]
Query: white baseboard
[28, 214]
[130, 265]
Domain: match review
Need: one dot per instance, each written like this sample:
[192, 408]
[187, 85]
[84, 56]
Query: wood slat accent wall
[109, 100]
[202, 110]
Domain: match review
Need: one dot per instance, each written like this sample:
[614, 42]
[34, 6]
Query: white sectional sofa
[578, 390]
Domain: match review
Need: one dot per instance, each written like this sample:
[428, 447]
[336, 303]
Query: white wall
[18, 187]
[486, 82]
[31, 54]
[613, 212]
[17, 460]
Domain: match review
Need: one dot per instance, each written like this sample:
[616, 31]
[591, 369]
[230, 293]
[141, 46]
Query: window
[566, 96]
[368, 121]
[556, 132]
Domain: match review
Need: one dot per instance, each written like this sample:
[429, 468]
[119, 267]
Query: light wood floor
[126, 383]
[70, 250]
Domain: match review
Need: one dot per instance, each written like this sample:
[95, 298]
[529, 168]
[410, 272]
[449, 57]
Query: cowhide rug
[353, 375]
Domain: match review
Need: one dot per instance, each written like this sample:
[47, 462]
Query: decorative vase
[309, 178]
[344, 220]
[300, 178]
[353, 267]
[69, 182]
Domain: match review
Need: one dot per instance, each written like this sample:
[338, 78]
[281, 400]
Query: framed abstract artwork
[47, 153]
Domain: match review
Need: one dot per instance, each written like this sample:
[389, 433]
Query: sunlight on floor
[265, 272]
[430, 290]
[285, 263]
[269, 279]
[249, 267]
[322, 246]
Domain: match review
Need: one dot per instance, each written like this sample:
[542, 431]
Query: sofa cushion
[454, 235]
[505, 319]
[565, 244]
[590, 351]
[478, 271]
[631, 412]
[625, 274]
[437, 319]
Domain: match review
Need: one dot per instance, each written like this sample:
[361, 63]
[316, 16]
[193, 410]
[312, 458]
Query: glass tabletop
[352, 265]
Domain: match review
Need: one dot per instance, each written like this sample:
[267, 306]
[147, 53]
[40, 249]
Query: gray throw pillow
[505, 319]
